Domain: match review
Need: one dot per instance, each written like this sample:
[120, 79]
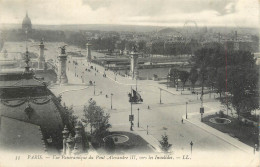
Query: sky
[241, 13]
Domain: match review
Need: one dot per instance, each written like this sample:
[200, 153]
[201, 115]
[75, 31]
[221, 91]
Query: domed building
[31, 116]
[27, 24]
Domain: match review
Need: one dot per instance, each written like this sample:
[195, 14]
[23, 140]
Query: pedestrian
[182, 120]
[148, 107]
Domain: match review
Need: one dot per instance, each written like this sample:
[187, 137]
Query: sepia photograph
[129, 83]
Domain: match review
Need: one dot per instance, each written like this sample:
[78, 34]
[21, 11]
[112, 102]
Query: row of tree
[183, 76]
[229, 72]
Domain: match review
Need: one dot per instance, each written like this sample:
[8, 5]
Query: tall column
[88, 46]
[69, 144]
[65, 133]
[78, 147]
[134, 64]
[27, 62]
[41, 60]
[62, 76]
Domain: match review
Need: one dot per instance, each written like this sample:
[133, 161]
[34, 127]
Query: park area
[244, 132]
[119, 142]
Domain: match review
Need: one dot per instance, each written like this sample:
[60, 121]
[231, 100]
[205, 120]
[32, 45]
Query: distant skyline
[235, 13]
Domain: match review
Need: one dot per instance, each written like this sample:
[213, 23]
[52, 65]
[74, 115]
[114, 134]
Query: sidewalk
[194, 119]
[153, 142]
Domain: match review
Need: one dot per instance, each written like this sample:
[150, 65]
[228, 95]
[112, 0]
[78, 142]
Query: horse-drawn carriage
[135, 97]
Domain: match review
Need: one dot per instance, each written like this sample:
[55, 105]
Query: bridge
[52, 66]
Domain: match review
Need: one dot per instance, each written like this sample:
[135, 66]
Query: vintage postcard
[129, 83]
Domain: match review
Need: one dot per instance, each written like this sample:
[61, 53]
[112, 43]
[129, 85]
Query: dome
[27, 24]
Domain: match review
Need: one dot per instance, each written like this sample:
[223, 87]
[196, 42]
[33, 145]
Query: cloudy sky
[134, 12]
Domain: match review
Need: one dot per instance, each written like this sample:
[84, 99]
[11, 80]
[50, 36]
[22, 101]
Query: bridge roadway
[161, 119]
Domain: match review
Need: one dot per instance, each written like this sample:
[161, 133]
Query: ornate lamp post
[131, 117]
[65, 133]
[111, 100]
[186, 111]
[160, 96]
[191, 144]
[94, 88]
[138, 117]
[168, 78]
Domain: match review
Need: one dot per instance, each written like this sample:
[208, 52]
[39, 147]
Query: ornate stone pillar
[70, 142]
[75, 150]
[134, 64]
[78, 138]
[62, 76]
[41, 60]
[27, 62]
[88, 47]
[65, 133]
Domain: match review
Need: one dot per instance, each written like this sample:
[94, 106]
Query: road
[161, 119]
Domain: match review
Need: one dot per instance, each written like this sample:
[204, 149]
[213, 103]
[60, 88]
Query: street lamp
[168, 78]
[94, 88]
[111, 100]
[255, 148]
[160, 96]
[131, 117]
[186, 111]
[191, 144]
[136, 84]
[138, 117]
[201, 113]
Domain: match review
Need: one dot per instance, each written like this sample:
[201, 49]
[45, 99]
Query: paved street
[161, 119]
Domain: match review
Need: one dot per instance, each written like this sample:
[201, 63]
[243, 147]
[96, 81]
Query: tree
[202, 78]
[211, 77]
[71, 119]
[230, 72]
[193, 76]
[244, 90]
[141, 46]
[97, 119]
[174, 76]
[183, 75]
[110, 145]
[165, 146]
[220, 81]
